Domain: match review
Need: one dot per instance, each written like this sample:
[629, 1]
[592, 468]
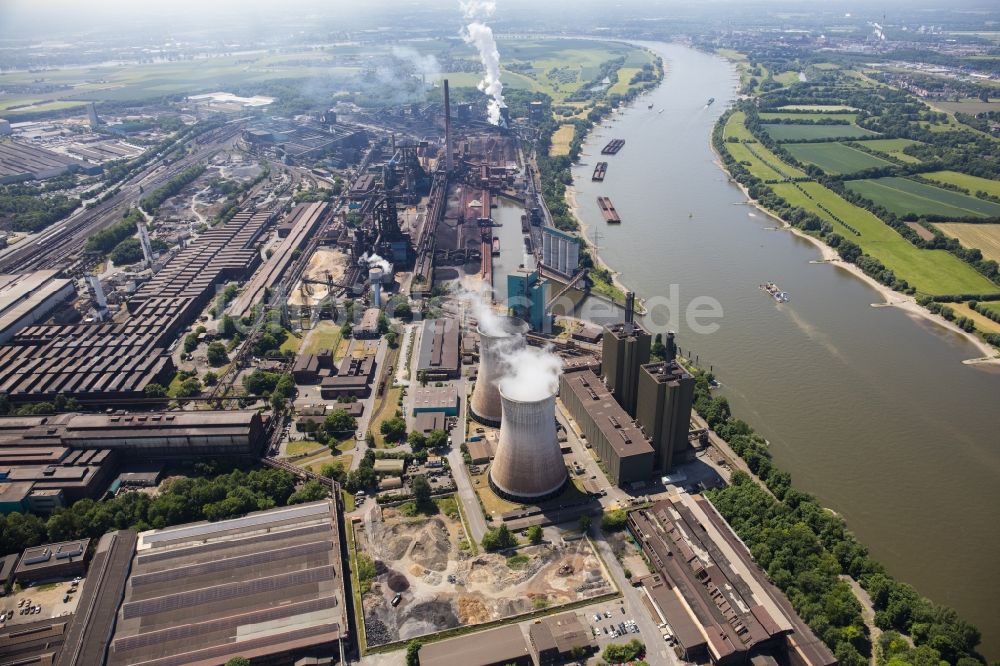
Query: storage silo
[498, 336]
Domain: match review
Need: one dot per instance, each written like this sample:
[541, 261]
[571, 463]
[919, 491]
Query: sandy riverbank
[890, 297]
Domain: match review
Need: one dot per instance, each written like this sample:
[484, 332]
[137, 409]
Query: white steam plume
[375, 261]
[472, 9]
[477, 296]
[480, 35]
[425, 65]
[531, 374]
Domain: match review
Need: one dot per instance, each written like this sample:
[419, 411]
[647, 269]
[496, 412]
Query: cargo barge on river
[613, 147]
[608, 210]
[599, 171]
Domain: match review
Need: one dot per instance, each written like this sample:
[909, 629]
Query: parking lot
[40, 602]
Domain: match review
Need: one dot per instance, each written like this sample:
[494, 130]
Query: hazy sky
[39, 19]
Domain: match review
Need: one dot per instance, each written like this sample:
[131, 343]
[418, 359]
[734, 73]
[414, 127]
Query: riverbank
[890, 297]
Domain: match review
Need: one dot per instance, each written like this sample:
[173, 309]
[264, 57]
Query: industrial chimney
[528, 466]
[497, 337]
[447, 129]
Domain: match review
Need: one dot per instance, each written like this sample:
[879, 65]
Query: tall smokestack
[498, 337]
[447, 129]
[671, 346]
[629, 312]
[528, 466]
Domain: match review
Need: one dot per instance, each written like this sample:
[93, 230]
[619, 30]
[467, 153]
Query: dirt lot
[49, 596]
[322, 261]
[442, 586]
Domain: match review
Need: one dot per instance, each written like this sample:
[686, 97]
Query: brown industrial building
[52, 561]
[118, 360]
[663, 409]
[624, 348]
[268, 587]
[51, 461]
[497, 647]
[556, 637]
[313, 368]
[439, 358]
[23, 161]
[621, 445]
[27, 298]
[717, 602]
[353, 378]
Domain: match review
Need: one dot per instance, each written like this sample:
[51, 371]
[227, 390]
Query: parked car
[396, 599]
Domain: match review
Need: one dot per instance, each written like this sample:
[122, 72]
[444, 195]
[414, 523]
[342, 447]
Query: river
[870, 409]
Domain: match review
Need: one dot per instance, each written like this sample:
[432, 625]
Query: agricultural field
[903, 196]
[572, 63]
[984, 237]
[787, 78]
[834, 158]
[561, 139]
[968, 105]
[892, 147]
[736, 127]
[759, 169]
[930, 271]
[992, 306]
[816, 107]
[972, 184]
[804, 115]
[810, 132]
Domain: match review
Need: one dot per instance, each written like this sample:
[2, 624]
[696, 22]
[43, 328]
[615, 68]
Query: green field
[971, 183]
[736, 127]
[816, 107]
[930, 271]
[787, 115]
[992, 306]
[903, 196]
[892, 147]
[834, 158]
[808, 132]
[756, 167]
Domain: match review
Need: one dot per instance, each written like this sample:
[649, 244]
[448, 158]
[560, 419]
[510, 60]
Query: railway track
[62, 247]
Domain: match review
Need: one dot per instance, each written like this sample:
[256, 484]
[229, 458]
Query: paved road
[466, 493]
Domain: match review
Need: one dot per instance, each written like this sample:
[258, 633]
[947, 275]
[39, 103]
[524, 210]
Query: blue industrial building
[527, 296]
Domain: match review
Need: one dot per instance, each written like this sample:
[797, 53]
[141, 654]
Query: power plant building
[527, 296]
[621, 445]
[666, 393]
[624, 349]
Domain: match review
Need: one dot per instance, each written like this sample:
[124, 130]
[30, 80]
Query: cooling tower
[528, 466]
[502, 336]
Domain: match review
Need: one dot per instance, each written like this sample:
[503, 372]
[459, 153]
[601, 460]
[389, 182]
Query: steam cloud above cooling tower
[530, 374]
[480, 35]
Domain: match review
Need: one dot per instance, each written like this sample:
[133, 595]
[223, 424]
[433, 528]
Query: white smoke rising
[375, 261]
[472, 9]
[477, 296]
[531, 374]
[480, 35]
[425, 65]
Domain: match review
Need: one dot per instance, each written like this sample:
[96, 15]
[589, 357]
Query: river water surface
[870, 409]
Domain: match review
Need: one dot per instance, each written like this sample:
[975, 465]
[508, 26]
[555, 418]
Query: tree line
[804, 548]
